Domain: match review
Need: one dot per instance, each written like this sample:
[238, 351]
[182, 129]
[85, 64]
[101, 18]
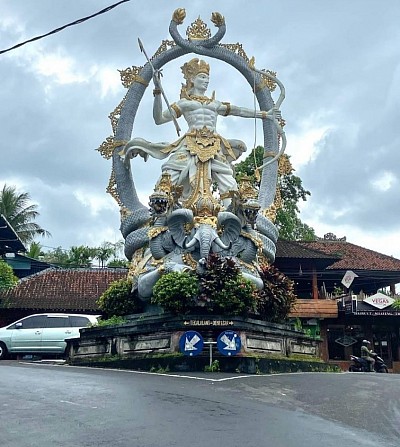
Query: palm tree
[104, 253]
[35, 250]
[20, 214]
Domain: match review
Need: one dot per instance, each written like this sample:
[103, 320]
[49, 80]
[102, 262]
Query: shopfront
[359, 320]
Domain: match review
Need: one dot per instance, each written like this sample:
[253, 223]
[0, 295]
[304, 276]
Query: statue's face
[200, 81]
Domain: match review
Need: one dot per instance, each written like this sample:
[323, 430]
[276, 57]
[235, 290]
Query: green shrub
[118, 299]
[112, 321]
[176, 292]
[214, 367]
[7, 277]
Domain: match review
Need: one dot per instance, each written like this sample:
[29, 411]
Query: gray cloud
[338, 62]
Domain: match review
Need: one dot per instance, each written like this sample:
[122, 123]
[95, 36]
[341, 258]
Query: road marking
[179, 376]
[77, 404]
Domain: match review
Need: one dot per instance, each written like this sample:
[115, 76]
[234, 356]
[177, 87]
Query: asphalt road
[53, 405]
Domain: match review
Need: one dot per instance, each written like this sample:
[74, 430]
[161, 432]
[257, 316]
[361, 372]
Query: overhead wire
[76, 22]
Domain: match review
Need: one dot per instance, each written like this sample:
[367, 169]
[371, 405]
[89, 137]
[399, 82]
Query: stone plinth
[148, 339]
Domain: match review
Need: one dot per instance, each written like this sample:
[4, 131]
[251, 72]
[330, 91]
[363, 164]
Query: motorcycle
[362, 365]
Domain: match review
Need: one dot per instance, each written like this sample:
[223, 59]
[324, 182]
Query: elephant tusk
[220, 244]
[190, 244]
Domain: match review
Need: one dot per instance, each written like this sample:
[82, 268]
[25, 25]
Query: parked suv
[42, 333]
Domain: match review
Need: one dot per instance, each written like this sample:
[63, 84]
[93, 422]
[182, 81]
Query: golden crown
[193, 68]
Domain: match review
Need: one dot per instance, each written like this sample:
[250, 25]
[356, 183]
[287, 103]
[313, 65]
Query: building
[361, 314]
[57, 290]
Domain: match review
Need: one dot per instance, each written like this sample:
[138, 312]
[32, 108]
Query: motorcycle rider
[366, 354]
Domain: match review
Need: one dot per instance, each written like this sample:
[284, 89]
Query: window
[77, 321]
[34, 322]
[52, 322]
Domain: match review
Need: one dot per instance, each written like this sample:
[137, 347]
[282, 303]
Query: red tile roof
[62, 290]
[354, 257]
[310, 308]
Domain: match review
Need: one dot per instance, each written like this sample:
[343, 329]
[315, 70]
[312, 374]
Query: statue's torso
[199, 115]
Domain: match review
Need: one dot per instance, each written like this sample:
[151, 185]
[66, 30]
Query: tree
[104, 253]
[290, 189]
[81, 256]
[7, 277]
[20, 214]
[35, 250]
[57, 256]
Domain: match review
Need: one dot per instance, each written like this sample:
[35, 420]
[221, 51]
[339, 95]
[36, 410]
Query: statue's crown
[194, 67]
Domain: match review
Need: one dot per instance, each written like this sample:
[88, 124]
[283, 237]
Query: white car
[42, 333]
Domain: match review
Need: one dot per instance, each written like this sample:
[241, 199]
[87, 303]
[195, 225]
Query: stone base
[152, 341]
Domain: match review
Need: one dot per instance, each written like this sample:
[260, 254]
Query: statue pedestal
[151, 342]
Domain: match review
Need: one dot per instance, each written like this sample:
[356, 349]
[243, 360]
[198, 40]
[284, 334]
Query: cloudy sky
[339, 62]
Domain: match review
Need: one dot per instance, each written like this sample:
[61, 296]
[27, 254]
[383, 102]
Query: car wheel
[383, 370]
[3, 351]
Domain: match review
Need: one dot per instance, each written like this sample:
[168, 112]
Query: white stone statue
[201, 156]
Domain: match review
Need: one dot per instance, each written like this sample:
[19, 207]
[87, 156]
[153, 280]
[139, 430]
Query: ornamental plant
[118, 299]
[277, 298]
[223, 289]
[176, 292]
[396, 303]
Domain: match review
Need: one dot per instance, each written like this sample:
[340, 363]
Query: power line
[76, 22]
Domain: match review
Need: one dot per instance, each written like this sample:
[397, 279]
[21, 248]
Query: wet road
[54, 405]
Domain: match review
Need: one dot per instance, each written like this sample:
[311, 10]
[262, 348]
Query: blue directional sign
[191, 343]
[228, 343]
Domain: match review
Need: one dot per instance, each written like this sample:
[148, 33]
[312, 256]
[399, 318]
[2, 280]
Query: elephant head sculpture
[210, 237]
[204, 237]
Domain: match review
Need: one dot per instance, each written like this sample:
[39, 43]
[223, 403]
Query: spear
[178, 129]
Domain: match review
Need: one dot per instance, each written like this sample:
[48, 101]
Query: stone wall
[155, 336]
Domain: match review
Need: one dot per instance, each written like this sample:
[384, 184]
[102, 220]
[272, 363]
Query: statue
[201, 156]
[186, 220]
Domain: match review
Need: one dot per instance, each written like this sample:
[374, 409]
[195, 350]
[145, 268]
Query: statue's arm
[160, 116]
[226, 109]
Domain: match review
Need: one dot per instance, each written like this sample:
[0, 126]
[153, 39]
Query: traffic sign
[228, 343]
[191, 343]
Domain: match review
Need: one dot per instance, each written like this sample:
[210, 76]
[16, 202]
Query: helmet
[366, 342]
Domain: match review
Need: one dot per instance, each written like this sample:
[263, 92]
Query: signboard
[379, 300]
[191, 343]
[208, 323]
[364, 308]
[348, 278]
[228, 343]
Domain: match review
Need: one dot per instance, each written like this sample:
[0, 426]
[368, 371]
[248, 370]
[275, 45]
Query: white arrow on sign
[230, 344]
[190, 344]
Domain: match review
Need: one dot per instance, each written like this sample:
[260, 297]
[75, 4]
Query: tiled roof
[310, 308]
[354, 257]
[292, 249]
[59, 290]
